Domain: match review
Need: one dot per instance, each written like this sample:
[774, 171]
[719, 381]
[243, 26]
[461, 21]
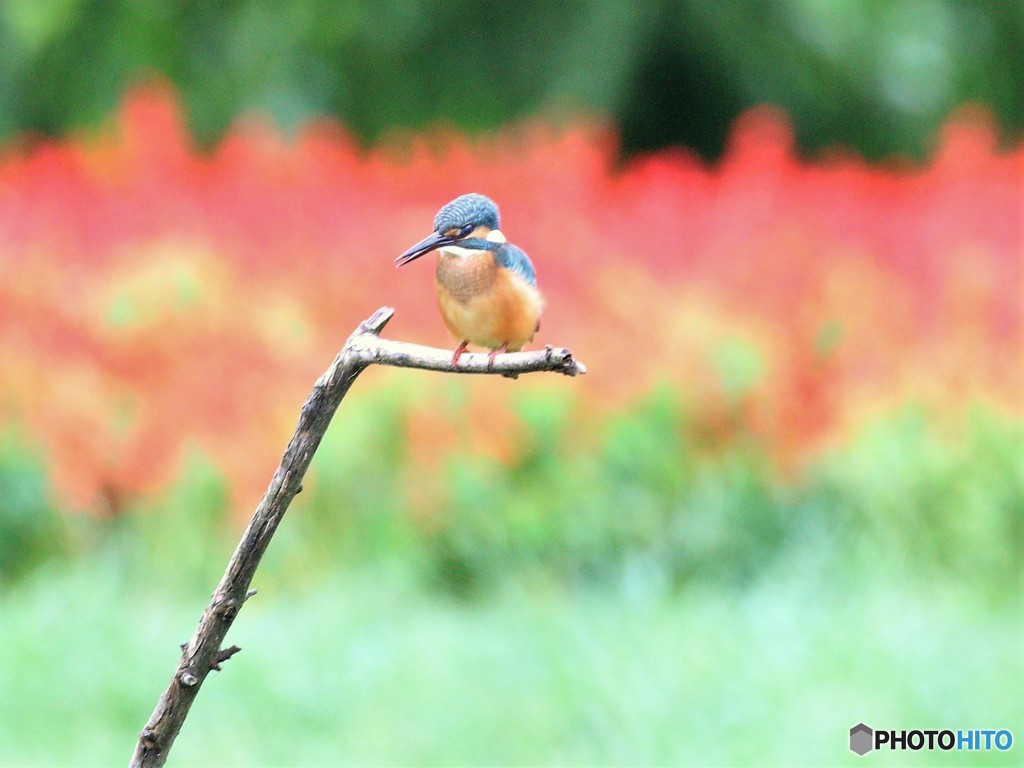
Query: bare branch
[365, 347]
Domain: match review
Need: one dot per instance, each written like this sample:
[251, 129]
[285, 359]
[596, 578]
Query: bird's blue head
[468, 221]
[472, 210]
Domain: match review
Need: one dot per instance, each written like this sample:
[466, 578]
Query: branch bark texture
[363, 348]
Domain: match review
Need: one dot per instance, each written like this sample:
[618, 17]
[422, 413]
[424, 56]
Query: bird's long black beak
[426, 245]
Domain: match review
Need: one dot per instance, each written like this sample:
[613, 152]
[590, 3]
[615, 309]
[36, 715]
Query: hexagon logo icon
[861, 739]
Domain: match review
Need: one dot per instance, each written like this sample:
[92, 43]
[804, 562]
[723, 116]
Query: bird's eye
[464, 232]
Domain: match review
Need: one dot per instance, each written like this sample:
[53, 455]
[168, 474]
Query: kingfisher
[486, 287]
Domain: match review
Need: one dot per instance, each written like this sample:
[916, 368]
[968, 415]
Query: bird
[486, 287]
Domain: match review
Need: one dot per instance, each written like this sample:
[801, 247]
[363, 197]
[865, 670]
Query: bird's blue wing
[514, 259]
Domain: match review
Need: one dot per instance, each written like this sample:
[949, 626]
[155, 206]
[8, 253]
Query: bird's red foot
[458, 353]
[495, 353]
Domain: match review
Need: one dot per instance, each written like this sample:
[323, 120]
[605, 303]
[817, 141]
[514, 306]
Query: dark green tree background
[877, 75]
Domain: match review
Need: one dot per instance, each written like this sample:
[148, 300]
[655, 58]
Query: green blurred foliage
[642, 499]
[877, 75]
[630, 596]
[647, 503]
[31, 529]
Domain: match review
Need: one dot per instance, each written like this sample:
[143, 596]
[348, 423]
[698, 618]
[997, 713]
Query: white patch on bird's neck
[459, 252]
[495, 236]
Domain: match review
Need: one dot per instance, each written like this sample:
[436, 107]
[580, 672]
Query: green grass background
[634, 601]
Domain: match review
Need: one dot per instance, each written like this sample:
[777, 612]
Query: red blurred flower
[156, 300]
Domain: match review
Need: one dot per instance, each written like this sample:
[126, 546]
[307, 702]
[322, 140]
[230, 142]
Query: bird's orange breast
[483, 303]
[467, 275]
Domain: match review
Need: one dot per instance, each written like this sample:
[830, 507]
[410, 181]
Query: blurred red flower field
[156, 299]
